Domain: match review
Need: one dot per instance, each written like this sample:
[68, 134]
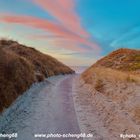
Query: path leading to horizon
[47, 110]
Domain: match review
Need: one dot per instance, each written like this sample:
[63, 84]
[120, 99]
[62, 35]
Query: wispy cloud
[60, 33]
[49, 26]
[64, 12]
[127, 36]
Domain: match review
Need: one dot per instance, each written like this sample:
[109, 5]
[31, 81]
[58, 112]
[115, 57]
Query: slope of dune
[112, 87]
[121, 59]
[21, 66]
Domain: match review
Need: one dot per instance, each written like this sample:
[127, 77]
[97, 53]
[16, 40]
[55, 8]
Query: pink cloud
[48, 26]
[64, 12]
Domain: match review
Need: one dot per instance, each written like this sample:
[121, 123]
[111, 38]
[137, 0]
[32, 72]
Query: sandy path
[87, 113]
[46, 109]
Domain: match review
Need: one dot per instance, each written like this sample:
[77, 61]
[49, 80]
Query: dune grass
[97, 74]
[21, 66]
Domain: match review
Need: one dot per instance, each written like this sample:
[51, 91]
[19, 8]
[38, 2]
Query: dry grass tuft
[92, 74]
[16, 75]
[99, 85]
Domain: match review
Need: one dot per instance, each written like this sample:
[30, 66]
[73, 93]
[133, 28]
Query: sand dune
[109, 97]
[21, 66]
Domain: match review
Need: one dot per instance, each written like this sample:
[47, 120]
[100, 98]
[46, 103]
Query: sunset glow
[75, 32]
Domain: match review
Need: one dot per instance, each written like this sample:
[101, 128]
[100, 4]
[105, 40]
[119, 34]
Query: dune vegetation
[122, 59]
[21, 66]
[113, 85]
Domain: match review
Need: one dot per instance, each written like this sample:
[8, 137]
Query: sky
[76, 32]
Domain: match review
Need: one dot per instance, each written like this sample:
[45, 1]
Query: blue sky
[77, 32]
[114, 24]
